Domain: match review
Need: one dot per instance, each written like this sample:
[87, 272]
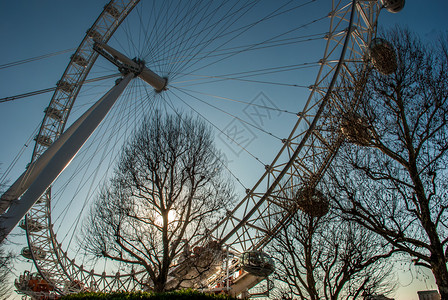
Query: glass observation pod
[38, 254]
[356, 129]
[33, 225]
[393, 6]
[383, 56]
[33, 282]
[312, 202]
[257, 263]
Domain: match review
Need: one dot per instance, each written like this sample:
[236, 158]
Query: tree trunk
[437, 258]
[441, 275]
[159, 285]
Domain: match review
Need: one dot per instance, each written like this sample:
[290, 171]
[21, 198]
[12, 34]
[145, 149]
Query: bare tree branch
[395, 185]
[165, 194]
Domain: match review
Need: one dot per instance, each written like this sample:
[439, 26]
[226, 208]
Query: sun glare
[172, 216]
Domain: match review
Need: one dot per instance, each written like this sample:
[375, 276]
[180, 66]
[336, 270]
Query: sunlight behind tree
[167, 191]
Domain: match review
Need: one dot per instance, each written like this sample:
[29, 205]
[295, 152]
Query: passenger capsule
[74, 286]
[382, 55]
[33, 225]
[26, 252]
[35, 283]
[257, 263]
[393, 6]
[312, 202]
[356, 130]
[38, 254]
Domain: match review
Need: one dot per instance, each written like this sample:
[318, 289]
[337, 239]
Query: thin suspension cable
[187, 36]
[27, 60]
[240, 101]
[106, 147]
[214, 125]
[52, 89]
[124, 117]
[248, 47]
[203, 39]
[29, 94]
[11, 166]
[182, 35]
[231, 115]
[171, 105]
[119, 115]
[220, 33]
[260, 43]
[247, 27]
[249, 80]
[197, 33]
[258, 73]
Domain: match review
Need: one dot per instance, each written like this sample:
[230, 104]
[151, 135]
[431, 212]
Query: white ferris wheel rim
[67, 268]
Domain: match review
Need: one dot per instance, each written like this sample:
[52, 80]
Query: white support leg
[58, 159]
[24, 181]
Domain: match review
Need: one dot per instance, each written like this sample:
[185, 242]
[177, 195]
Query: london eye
[262, 74]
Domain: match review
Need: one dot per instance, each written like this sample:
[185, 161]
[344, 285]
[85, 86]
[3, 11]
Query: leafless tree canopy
[6, 262]
[167, 190]
[394, 182]
[329, 258]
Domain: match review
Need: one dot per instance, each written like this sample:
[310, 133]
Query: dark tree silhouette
[6, 262]
[391, 177]
[167, 190]
[329, 258]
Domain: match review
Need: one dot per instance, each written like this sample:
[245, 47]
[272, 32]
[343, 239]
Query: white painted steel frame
[44, 171]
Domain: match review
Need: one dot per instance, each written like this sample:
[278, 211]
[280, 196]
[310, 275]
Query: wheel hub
[136, 66]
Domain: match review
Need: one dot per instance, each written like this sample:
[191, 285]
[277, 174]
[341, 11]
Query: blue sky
[34, 28]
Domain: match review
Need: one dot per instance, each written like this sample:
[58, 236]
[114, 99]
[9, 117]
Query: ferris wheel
[263, 75]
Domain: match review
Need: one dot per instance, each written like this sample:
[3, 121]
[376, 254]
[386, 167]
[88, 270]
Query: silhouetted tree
[167, 190]
[329, 258]
[393, 179]
[6, 261]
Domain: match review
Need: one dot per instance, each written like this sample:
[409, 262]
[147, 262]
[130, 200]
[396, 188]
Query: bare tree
[329, 258]
[392, 178]
[167, 190]
[6, 261]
